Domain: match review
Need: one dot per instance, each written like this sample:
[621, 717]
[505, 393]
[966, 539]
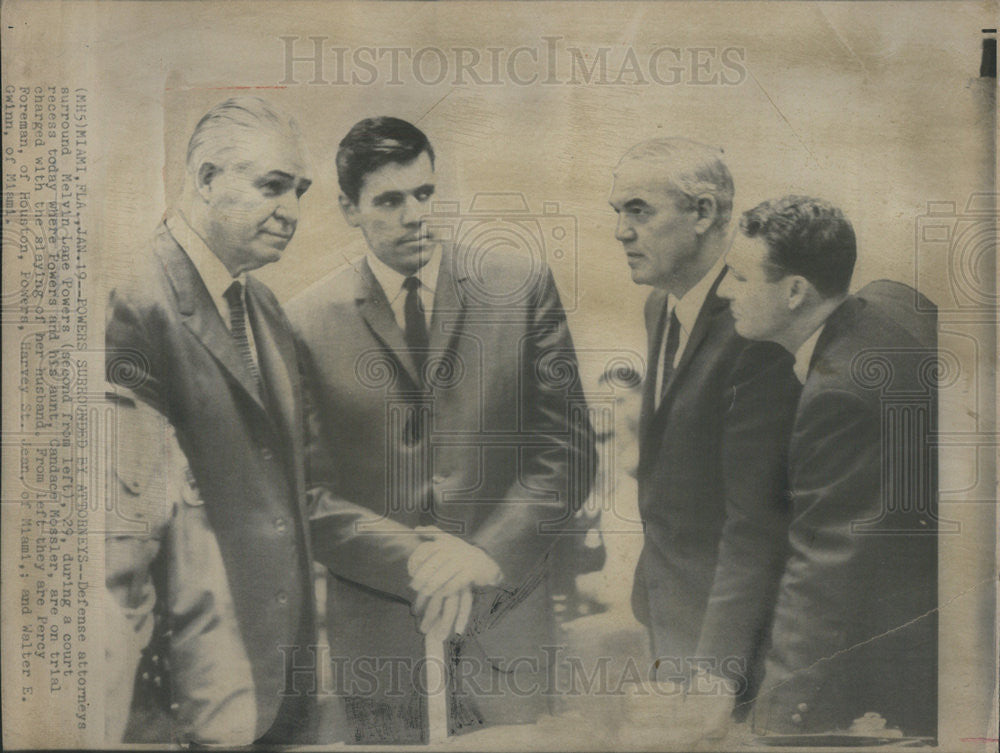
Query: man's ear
[707, 209]
[349, 210]
[207, 172]
[799, 290]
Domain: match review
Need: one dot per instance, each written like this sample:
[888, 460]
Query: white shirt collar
[803, 356]
[210, 268]
[689, 305]
[392, 281]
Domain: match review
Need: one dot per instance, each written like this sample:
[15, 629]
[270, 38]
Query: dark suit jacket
[712, 494]
[497, 449]
[855, 629]
[167, 342]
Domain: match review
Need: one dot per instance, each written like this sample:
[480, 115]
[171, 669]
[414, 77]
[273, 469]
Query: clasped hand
[445, 571]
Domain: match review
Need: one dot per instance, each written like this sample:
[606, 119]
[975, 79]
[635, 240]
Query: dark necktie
[670, 351]
[238, 326]
[415, 330]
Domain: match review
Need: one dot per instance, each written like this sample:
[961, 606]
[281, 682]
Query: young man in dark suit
[715, 419]
[855, 636]
[195, 336]
[445, 400]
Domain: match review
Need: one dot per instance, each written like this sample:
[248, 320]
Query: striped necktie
[238, 326]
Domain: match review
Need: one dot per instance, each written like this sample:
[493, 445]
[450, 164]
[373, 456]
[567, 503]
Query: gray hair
[217, 131]
[691, 169]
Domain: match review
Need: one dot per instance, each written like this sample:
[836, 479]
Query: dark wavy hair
[807, 237]
[375, 142]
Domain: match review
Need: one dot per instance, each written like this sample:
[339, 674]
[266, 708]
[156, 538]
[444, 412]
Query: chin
[268, 255]
[639, 278]
[416, 260]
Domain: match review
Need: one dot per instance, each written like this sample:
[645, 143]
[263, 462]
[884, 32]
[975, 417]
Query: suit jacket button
[803, 707]
[280, 525]
[281, 597]
[267, 454]
[439, 478]
[797, 718]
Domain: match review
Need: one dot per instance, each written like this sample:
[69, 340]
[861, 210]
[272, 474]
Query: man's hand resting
[444, 572]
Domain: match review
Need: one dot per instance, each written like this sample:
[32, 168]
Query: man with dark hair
[715, 417]
[444, 400]
[196, 337]
[808, 237]
[854, 643]
[375, 142]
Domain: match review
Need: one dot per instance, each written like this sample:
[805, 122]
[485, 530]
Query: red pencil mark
[220, 88]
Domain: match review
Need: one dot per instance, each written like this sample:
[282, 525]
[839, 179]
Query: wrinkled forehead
[263, 150]
[643, 179]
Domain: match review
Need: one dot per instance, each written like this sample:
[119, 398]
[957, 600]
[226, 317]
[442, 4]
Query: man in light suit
[855, 631]
[199, 339]
[715, 416]
[444, 398]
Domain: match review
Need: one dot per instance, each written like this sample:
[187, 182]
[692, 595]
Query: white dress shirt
[392, 285]
[803, 356]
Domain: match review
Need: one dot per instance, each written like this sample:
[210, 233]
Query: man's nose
[725, 288]
[412, 211]
[623, 231]
[288, 210]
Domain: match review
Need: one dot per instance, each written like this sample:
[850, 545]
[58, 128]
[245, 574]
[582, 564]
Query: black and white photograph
[500, 376]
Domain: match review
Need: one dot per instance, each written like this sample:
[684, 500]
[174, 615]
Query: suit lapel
[711, 308]
[448, 310]
[275, 353]
[201, 316]
[373, 306]
[656, 316]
